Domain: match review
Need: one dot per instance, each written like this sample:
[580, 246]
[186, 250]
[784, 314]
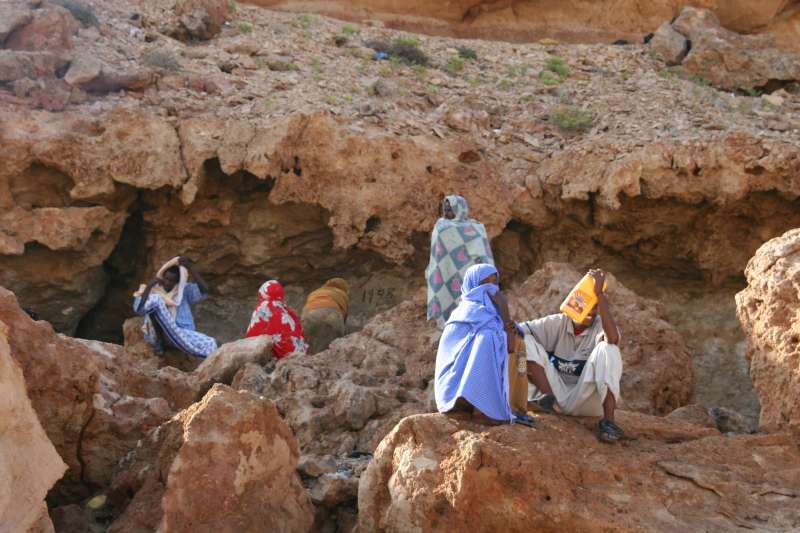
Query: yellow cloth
[517, 375]
[334, 294]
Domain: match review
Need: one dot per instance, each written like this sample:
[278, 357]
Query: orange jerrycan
[581, 300]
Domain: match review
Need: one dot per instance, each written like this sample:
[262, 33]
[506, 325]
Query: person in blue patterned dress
[166, 303]
[457, 243]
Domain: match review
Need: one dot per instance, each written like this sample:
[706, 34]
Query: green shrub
[467, 53]
[455, 64]
[305, 21]
[557, 66]
[554, 73]
[572, 118]
[402, 50]
[517, 71]
[549, 78]
[244, 26]
[347, 29]
[82, 12]
[406, 41]
[161, 59]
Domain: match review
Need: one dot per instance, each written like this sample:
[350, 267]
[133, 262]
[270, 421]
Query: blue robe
[472, 359]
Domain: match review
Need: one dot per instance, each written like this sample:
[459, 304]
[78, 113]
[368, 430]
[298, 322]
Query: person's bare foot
[482, 419]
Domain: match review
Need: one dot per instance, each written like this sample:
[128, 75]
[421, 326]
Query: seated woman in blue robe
[471, 363]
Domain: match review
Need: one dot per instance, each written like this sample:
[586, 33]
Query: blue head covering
[476, 306]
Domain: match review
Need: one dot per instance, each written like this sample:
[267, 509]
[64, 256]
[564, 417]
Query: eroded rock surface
[29, 463]
[435, 474]
[227, 463]
[93, 399]
[769, 311]
[570, 20]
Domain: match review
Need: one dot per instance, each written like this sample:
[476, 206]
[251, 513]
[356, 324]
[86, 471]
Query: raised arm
[146, 295]
[603, 308]
[201, 283]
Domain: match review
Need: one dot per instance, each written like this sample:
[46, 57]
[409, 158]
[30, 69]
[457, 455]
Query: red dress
[273, 317]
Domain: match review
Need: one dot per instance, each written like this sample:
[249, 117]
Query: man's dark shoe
[546, 403]
[608, 431]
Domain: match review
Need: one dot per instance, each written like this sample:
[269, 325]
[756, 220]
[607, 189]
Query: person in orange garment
[325, 314]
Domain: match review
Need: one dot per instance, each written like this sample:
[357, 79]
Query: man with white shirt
[577, 366]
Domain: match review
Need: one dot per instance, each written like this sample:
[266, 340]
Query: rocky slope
[571, 20]
[432, 473]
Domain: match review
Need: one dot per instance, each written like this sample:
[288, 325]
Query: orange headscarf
[334, 294]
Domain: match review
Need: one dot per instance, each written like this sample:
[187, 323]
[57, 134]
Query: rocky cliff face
[267, 144]
[572, 21]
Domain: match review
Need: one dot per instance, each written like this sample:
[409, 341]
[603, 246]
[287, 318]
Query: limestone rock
[669, 44]
[655, 482]
[769, 311]
[82, 70]
[29, 464]
[227, 463]
[12, 16]
[560, 22]
[349, 396]
[94, 401]
[657, 375]
[333, 489]
[222, 365]
[188, 20]
[729, 60]
[693, 414]
[251, 377]
[18, 65]
[51, 29]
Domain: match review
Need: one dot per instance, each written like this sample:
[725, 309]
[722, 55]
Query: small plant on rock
[304, 21]
[161, 59]
[554, 73]
[572, 118]
[82, 12]
[402, 50]
[455, 65]
[348, 29]
[465, 52]
[244, 26]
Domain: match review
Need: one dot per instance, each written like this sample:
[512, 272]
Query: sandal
[546, 403]
[608, 431]
[525, 420]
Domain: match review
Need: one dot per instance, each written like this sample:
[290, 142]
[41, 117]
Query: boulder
[18, 65]
[226, 464]
[251, 377]
[83, 70]
[222, 365]
[12, 16]
[693, 414]
[669, 44]
[657, 375]
[51, 29]
[188, 20]
[93, 399]
[432, 473]
[349, 396]
[29, 463]
[729, 60]
[769, 311]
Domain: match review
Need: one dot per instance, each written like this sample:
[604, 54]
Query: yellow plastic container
[581, 300]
